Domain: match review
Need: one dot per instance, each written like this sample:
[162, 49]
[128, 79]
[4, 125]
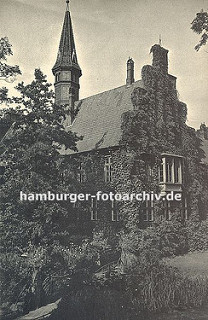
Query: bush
[197, 235]
[160, 288]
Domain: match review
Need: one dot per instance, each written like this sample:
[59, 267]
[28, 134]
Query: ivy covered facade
[133, 138]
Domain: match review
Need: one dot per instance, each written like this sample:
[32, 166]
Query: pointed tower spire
[66, 69]
[67, 5]
[67, 52]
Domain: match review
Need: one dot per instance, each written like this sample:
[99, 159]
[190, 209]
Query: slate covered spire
[66, 69]
[67, 56]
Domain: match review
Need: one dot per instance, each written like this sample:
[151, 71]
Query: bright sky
[107, 32]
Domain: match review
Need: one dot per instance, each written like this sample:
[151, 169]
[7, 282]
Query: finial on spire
[67, 5]
[160, 40]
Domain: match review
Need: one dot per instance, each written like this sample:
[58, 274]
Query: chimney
[160, 58]
[130, 71]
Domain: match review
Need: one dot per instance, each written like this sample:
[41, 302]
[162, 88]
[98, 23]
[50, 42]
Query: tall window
[161, 172]
[185, 209]
[93, 209]
[114, 211]
[2, 169]
[169, 175]
[57, 76]
[108, 169]
[168, 213]
[166, 210]
[74, 77]
[170, 170]
[150, 171]
[147, 211]
[177, 169]
[80, 174]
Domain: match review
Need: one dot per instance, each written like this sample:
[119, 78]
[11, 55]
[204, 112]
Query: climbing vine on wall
[158, 125]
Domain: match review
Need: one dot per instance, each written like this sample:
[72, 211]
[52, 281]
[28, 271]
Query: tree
[200, 26]
[36, 234]
[41, 229]
[7, 72]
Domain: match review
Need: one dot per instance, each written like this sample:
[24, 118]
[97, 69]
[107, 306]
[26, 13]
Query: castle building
[135, 140]
[119, 154]
[103, 153]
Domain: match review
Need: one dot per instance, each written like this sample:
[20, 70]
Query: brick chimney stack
[130, 71]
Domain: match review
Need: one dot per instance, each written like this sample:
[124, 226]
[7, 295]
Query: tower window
[108, 169]
[71, 90]
[57, 76]
[93, 209]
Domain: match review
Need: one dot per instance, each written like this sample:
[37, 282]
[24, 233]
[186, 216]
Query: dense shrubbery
[159, 288]
[197, 235]
[150, 286]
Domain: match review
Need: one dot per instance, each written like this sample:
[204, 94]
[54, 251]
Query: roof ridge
[99, 93]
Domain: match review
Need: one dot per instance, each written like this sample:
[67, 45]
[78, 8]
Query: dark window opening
[114, 211]
[147, 211]
[93, 209]
[108, 169]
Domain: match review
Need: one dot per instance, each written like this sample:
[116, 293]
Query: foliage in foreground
[149, 287]
[200, 26]
[35, 233]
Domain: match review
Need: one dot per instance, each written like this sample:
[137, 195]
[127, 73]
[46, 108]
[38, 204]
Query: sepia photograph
[104, 160]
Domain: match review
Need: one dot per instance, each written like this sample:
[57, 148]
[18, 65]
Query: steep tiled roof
[99, 118]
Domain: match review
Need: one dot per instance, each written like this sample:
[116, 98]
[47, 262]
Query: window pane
[114, 213]
[80, 172]
[169, 170]
[161, 175]
[147, 211]
[93, 209]
[108, 169]
[177, 170]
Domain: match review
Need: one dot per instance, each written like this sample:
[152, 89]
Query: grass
[191, 264]
[190, 314]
